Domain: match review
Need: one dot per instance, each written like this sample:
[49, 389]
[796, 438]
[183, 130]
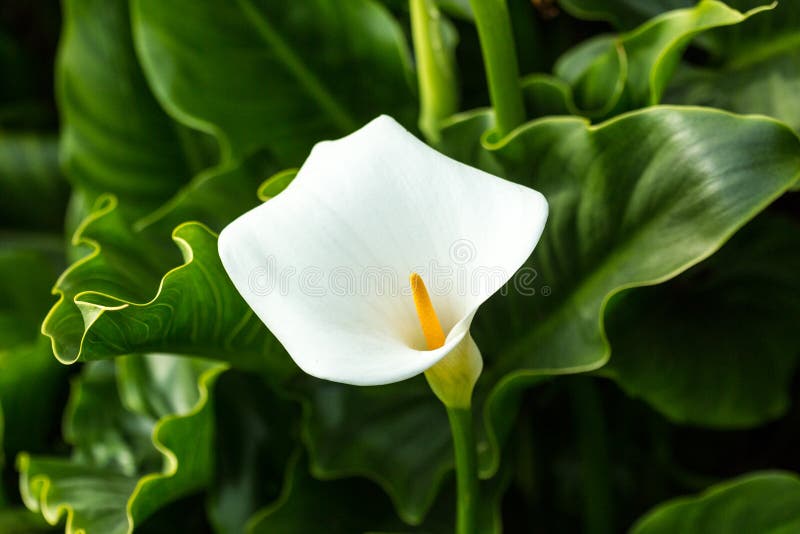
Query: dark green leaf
[306, 504]
[609, 75]
[718, 345]
[767, 503]
[113, 303]
[348, 505]
[256, 436]
[755, 68]
[115, 138]
[116, 479]
[30, 378]
[634, 201]
[624, 14]
[21, 521]
[282, 75]
[32, 193]
[397, 435]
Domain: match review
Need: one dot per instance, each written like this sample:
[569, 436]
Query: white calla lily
[326, 263]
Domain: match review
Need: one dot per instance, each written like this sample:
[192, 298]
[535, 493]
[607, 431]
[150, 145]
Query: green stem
[588, 412]
[500, 57]
[435, 67]
[466, 469]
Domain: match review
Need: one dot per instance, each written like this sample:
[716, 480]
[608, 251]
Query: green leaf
[277, 75]
[755, 68]
[705, 191]
[757, 38]
[112, 484]
[624, 14]
[397, 435]
[115, 137]
[21, 521]
[216, 196]
[30, 379]
[349, 505]
[634, 201]
[32, 192]
[148, 160]
[332, 505]
[766, 502]
[767, 87]
[112, 302]
[609, 75]
[718, 345]
[595, 71]
[256, 436]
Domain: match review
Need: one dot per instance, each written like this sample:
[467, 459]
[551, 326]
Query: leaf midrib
[340, 116]
[587, 285]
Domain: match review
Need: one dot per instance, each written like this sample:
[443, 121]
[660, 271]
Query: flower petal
[325, 264]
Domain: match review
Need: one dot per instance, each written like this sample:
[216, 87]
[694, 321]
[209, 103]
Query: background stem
[500, 57]
[466, 469]
[438, 92]
[591, 435]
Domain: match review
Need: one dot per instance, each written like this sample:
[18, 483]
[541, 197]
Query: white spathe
[326, 263]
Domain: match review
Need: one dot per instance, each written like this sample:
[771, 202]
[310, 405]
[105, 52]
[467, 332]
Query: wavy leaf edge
[103, 206]
[35, 491]
[520, 379]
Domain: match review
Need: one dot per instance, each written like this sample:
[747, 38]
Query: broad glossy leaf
[281, 75]
[766, 502]
[111, 438]
[757, 38]
[349, 505]
[768, 87]
[33, 194]
[397, 435]
[114, 302]
[157, 385]
[718, 345]
[331, 503]
[634, 201]
[609, 75]
[257, 433]
[115, 138]
[755, 68]
[112, 483]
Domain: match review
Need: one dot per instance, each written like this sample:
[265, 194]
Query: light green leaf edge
[504, 391]
[35, 490]
[276, 183]
[94, 304]
[736, 17]
[682, 504]
[659, 69]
